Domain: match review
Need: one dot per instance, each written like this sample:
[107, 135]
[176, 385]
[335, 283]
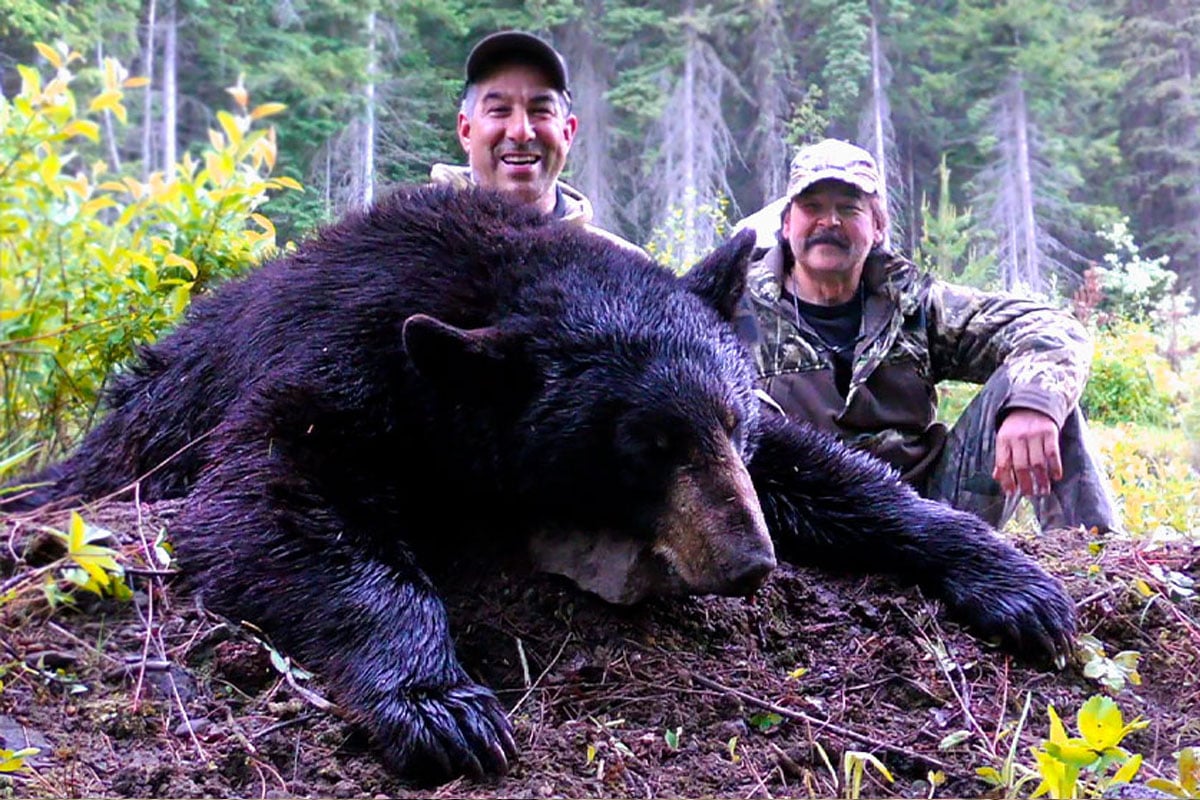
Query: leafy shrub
[95, 264]
[1130, 382]
[1156, 488]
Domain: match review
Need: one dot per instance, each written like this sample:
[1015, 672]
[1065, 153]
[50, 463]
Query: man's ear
[720, 278]
[464, 132]
[481, 364]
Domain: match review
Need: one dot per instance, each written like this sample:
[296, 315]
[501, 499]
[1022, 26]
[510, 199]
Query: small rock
[199, 726]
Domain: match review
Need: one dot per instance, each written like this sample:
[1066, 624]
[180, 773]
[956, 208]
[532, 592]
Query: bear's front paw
[434, 735]
[1018, 603]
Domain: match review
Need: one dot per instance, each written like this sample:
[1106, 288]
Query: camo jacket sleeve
[1046, 352]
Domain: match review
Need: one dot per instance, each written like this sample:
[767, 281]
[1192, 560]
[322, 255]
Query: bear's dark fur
[448, 363]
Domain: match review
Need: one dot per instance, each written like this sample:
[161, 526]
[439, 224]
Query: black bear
[447, 362]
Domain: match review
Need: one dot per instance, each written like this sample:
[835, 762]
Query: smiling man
[853, 339]
[516, 127]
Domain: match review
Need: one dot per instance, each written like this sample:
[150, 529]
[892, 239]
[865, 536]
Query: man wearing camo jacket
[854, 339]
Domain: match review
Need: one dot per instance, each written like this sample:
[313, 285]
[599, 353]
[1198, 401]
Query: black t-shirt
[838, 327]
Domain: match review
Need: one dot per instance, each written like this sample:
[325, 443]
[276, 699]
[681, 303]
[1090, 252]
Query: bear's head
[635, 417]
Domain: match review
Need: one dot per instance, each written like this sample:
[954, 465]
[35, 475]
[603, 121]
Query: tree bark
[170, 88]
[1028, 264]
[148, 101]
[367, 194]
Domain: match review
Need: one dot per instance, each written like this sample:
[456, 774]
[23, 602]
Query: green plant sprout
[14, 760]
[1061, 760]
[854, 764]
[1113, 672]
[1188, 784]
[95, 567]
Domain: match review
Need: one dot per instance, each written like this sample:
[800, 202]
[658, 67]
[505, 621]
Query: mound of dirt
[153, 697]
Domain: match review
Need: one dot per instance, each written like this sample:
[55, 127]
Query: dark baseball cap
[507, 47]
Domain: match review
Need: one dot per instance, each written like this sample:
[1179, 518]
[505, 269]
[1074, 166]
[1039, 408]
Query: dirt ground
[696, 697]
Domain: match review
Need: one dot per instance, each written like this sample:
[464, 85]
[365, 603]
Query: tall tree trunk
[148, 101]
[691, 193]
[368, 134]
[879, 136]
[170, 89]
[1027, 262]
[771, 71]
[592, 60]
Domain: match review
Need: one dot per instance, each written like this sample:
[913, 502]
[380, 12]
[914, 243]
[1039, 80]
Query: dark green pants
[963, 478]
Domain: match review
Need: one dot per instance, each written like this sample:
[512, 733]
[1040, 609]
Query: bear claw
[436, 736]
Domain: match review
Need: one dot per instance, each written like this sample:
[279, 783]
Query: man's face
[831, 229]
[517, 137]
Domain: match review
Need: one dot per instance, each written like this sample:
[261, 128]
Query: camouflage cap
[832, 159]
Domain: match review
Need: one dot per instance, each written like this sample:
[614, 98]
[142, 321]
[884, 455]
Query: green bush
[95, 264]
[1127, 378]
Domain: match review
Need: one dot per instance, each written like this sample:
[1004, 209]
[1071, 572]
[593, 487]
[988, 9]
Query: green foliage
[1063, 761]
[1113, 673]
[86, 565]
[671, 242]
[1156, 488]
[14, 760]
[1131, 284]
[1187, 763]
[96, 264]
[1123, 385]
[854, 764]
[947, 247]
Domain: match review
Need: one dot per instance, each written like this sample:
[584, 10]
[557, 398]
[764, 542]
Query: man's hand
[1027, 455]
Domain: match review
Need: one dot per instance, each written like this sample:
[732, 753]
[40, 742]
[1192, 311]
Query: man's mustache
[826, 237]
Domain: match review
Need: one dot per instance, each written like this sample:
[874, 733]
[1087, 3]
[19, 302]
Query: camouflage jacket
[578, 208]
[916, 331]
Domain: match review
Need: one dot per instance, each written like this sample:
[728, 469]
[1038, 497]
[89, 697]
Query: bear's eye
[662, 442]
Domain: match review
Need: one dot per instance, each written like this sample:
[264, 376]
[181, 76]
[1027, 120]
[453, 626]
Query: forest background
[1046, 147]
[152, 148]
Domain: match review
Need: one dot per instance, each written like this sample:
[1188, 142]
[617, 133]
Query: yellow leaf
[83, 127]
[136, 83]
[1127, 771]
[135, 188]
[176, 260]
[31, 82]
[264, 223]
[107, 100]
[288, 183]
[1189, 770]
[50, 54]
[216, 139]
[13, 760]
[1073, 752]
[239, 94]
[1102, 725]
[1143, 588]
[76, 533]
[266, 110]
[230, 125]
[1058, 733]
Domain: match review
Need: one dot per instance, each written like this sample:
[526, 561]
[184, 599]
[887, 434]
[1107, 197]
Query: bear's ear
[720, 278]
[477, 363]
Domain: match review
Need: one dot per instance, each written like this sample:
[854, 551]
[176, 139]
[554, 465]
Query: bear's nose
[751, 575]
